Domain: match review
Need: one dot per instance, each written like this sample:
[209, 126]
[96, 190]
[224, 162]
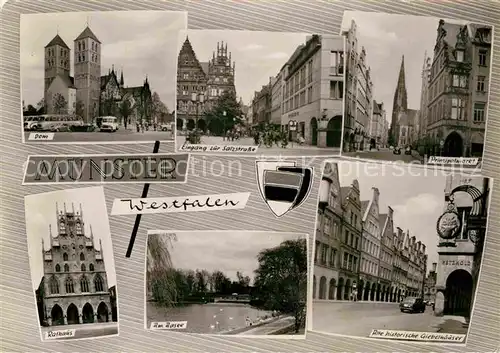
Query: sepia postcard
[398, 256]
[82, 83]
[417, 89]
[205, 282]
[264, 93]
[72, 264]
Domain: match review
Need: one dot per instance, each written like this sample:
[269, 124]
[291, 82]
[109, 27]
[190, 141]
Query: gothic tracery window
[66, 268]
[91, 267]
[70, 288]
[83, 268]
[58, 268]
[82, 257]
[84, 284]
[54, 285]
[65, 257]
[98, 283]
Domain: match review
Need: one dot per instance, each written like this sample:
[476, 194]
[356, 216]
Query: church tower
[400, 103]
[57, 60]
[87, 63]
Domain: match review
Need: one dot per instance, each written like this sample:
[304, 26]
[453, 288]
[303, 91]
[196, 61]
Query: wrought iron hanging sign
[449, 223]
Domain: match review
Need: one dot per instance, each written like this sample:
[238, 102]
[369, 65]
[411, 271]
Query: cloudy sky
[258, 55]
[386, 39]
[139, 42]
[417, 201]
[228, 252]
[41, 212]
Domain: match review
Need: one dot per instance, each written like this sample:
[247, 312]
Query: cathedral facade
[74, 287]
[200, 84]
[87, 93]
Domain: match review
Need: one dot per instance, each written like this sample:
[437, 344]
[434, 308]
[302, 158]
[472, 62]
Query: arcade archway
[458, 293]
[322, 288]
[334, 132]
[72, 314]
[88, 314]
[314, 132]
[331, 289]
[202, 125]
[314, 287]
[179, 124]
[340, 287]
[360, 290]
[57, 315]
[190, 124]
[102, 313]
[453, 145]
[347, 290]
[366, 296]
[373, 292]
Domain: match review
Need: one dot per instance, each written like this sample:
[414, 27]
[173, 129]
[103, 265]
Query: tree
[125, 110]
[79, 110]
[201, 283]
[60, 104]
[158, 108]
[281, 279]
[220, 282]
[161, 277]
[229, 104]
[40, 106]
[30, 110]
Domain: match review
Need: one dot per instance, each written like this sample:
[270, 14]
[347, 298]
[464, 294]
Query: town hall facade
[74, 287]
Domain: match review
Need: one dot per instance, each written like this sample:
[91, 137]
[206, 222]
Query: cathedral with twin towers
[87, 93]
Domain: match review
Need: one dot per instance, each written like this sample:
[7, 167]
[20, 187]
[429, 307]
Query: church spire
[121, 78]
[400, 102]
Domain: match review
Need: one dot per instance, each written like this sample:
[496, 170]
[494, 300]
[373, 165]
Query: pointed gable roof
[364, 208]
[187, 50]
[87, 33]
[344, 192]
[382, 219]
[57, 40]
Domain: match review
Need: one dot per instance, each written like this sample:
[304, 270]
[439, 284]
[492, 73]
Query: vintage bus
[47, 121]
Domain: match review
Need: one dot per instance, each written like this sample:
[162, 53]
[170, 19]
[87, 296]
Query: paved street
[383, 154]
[358, 318]
[119, 136]
[291, 150]
[85, 330]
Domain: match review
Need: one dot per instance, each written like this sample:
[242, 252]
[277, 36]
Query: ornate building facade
[359, 94]
[87, 93]
[461, 230]
[360, 255]
[200, 84]
[74, 287]
[328, 249]
[458, 90]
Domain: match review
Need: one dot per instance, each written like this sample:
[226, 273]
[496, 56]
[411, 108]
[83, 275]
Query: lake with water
[212, 318]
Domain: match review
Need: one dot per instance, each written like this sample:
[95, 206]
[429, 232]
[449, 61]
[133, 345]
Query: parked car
[412, 305]
[164, 127]
[408, 150]
[60, 128]
[396, 150]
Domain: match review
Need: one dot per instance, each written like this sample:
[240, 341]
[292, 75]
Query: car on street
[109, 123]
[408, 150]
[60, 128]
[396, 150]
[412, 305]
[164, 127]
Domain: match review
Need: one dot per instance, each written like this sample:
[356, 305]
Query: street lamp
[224, 125]
[197, 99]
